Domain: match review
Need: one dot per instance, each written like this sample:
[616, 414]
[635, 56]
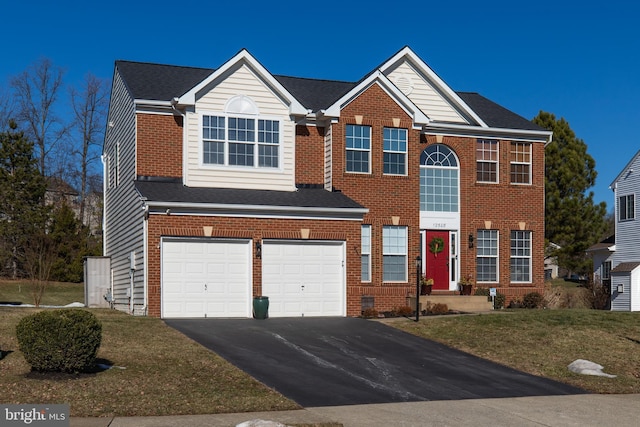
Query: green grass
[164, 373]
[157, 371]
[545, 342]
[55, 293]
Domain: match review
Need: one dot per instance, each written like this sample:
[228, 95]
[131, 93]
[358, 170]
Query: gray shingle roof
[495, 115]
[625, 267]
[164, 82]
[175, 192]
[159, 82]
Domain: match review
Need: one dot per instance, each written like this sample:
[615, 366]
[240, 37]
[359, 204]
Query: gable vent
[404, 83]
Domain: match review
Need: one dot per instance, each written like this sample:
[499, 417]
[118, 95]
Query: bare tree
[36, 93]
[89, 108]
[7, 109]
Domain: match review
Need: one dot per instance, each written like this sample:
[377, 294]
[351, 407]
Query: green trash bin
[260, 307]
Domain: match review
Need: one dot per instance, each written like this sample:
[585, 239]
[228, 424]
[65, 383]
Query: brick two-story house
[224, 184]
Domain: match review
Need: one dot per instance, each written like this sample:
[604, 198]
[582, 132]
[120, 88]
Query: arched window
[439, 183]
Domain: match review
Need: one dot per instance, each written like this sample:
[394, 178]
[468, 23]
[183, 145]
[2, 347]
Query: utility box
[97, 281]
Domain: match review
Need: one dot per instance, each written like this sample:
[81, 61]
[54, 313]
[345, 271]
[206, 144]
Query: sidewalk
[554, 411]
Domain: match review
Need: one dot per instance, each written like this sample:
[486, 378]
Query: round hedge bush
[532, 300]
[65, 340]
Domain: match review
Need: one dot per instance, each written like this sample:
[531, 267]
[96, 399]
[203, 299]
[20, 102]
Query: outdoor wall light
[258, 250]
[471, 241]
[620, 289]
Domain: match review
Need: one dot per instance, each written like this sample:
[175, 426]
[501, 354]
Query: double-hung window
[487, 256]
[365, 254]
[521, 256]
[626, 207]
[487, 160]
[520, 163]
[395, 151]
[606, 270]
[394, 254]
[358, 144]
[240, 141]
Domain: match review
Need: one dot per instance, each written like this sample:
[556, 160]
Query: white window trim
[530, 257]
[496, 257]
[626, 197]
[529, 163]
[405, 254]
[497, 162]
[363, 252]
[256, 144]
[406, 166]
[347, 149]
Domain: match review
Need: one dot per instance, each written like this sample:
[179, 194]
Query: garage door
[206, 278]
[304, 278]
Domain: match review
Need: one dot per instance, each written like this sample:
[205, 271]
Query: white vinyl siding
[627, 226]
[241, 80]
[423, 94]
[328, 162]
[123, 218]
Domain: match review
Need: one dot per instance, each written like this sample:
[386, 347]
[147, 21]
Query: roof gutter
[187, 208]
[513, 134]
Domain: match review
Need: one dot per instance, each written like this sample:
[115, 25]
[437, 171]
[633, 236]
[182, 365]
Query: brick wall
[159, 145]
[391, 200]
[309, 155]
[250, 228]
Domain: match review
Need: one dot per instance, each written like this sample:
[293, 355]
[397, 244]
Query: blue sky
[577, 62]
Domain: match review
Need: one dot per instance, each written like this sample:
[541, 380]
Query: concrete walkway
[556, 411]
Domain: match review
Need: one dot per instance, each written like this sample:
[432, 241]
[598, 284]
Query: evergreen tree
[572, 219]
[71, 242]
[23, 213]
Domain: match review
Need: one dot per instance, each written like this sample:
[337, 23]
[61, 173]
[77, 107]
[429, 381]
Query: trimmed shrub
[369, 313]
[437, 308]
[65, 340]
[532, 300]
[404, 310]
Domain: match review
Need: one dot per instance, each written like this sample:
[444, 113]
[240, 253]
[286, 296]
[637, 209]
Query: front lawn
[156, 371]
[545, 342]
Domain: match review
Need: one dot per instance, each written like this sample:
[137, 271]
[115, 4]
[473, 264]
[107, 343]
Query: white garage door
[209, 278]
[304, 278]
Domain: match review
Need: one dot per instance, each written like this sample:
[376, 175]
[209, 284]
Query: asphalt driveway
[347, 361]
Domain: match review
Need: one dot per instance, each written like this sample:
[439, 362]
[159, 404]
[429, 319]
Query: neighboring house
[551, 268]
[59, 191]
[226, 184]
[602, 255]
[625, 271]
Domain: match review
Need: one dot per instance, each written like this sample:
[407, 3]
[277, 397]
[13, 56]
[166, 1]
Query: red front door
[437, 258]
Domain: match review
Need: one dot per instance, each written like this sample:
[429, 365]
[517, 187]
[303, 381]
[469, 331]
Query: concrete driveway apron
[347, 361]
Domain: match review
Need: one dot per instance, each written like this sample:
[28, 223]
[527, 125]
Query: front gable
[428, 91]
[243, 94]
[379, 79]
